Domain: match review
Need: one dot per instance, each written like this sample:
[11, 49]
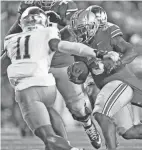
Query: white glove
[98, 70]
[112, 55]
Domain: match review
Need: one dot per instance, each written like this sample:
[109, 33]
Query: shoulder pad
[115, 30]
[72, 7]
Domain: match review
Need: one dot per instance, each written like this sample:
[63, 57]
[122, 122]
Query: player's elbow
[53, 44]
[132, 52]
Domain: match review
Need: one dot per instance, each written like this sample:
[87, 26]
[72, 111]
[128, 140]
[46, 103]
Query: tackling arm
[5, 62]
[121, 46]
[71, 48]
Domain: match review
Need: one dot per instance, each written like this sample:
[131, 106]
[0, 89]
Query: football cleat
[94, 136]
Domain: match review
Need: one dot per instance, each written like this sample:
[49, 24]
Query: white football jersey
[31, 57]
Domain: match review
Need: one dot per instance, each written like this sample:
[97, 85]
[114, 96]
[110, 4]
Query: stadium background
[126, 14]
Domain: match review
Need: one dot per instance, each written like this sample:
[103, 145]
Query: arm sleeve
[76, 49]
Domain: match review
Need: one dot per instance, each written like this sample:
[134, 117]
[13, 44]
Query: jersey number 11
[26, 45]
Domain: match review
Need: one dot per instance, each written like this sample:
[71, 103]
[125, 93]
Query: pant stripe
[116, 98]
[106, 103]
[113, 97]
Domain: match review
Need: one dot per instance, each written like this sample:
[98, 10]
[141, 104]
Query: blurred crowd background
[126, 14]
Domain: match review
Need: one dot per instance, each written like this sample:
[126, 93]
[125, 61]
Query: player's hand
[111, 65]
[78, 72]
[53, 16]
[96, 66]
[112, 55]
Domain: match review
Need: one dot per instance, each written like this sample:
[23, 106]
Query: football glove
[53, 16]
[78, 72]
[112, 55]
[110, 65]
[96, 66]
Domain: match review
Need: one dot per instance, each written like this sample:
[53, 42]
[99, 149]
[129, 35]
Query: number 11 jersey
[31, 58]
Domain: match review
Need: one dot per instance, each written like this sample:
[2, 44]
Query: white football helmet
[33, 18]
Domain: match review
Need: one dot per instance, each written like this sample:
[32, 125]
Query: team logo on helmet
[100, 14]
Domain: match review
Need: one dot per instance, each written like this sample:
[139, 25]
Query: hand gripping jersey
[31, 58]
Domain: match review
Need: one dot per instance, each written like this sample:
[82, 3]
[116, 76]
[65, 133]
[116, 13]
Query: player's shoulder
[52, 29]
[114, 29]
[70, 3]
[9, 37]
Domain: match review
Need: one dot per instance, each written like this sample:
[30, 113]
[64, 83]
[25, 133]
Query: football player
[110, 73]
[29, 71]
[72, 94]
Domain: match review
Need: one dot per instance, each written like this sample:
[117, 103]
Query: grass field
[11, 140]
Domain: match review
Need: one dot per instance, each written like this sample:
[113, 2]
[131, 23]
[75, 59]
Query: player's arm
[127, 50]
[5, 62]
[71, 48]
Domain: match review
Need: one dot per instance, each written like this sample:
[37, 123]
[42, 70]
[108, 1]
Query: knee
[76, 106]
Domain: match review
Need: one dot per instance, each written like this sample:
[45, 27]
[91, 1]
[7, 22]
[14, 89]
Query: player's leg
[75, 101]
[128, 122]
[112, 97]
[136, 66]
[37, 117]
[57, 123]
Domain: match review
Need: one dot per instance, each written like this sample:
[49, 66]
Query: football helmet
[84, 25]
[46, 4]
[33, 18]
[100, 14]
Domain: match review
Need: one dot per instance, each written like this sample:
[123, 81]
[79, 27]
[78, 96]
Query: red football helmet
[84, 25]
[100, 14]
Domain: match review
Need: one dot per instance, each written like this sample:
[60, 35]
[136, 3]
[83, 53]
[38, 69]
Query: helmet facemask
[85, 33]
[85, 26]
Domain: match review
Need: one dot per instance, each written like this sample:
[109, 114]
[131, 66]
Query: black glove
[78, 72]
[53, 16]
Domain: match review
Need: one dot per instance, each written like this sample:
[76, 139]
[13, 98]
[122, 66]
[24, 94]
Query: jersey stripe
[115, 31]
[112, 97]
[119, 33]
[116, 98]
